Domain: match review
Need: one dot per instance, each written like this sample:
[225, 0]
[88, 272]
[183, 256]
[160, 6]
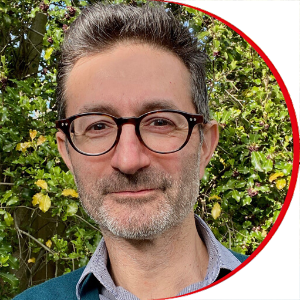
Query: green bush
[44, 232]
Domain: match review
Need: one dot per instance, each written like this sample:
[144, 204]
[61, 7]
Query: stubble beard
[177, 198]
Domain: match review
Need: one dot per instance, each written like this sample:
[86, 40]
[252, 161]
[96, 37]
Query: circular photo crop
[238, 199]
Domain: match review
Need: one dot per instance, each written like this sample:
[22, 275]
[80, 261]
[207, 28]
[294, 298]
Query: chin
[146, 220]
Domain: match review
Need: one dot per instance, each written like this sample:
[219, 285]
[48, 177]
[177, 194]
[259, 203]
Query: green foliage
[255, 139]
[44, 232]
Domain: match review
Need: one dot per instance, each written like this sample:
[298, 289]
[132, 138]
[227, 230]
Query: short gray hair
[99, 27]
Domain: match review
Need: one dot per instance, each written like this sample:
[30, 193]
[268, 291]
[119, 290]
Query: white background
[274, 26]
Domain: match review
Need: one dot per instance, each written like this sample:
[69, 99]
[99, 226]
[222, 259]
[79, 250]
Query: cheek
[171, 164]
[88, 167]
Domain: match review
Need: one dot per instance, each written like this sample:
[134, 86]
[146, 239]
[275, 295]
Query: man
[134, 130]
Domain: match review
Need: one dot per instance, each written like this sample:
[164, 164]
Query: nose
[129, 155]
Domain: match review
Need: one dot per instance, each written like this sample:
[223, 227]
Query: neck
[159, 267]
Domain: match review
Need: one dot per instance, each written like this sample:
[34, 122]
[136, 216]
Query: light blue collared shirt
[219, 258]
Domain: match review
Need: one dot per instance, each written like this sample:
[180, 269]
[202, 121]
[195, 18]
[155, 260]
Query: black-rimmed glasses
[161, 131]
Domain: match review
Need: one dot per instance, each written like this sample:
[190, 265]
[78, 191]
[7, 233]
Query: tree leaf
[3, 61]
[41, 140]
[13, 200]
[32, 134]
[236, 195]
[13, 262]
[31, 260]
[256, 161]
[48, 53]
[70, 192]
[9, 278]
[8, 147]
[6, 196]
[45, 203]
[246, 201]
[42, 200]
[9, 220]
[36, 198]
[256, 64]
[275, 176]
[72, 209]
[49, 243]
[280, 184]
[23, 146]
[216, 211]
[233, 64]
[203, 34]
[42, 184]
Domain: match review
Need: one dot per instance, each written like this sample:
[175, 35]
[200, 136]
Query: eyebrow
[145, 107]
[156, 105]
[107, 109]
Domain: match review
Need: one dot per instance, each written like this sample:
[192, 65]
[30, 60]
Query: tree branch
[237, 100]
[35, 31]
[37, 241]
[82, 219]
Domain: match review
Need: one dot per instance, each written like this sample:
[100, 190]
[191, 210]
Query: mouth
[134, 193]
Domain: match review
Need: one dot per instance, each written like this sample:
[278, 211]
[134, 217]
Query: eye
[99, 129]
[97, 126]
[160, 122]
[158, 125]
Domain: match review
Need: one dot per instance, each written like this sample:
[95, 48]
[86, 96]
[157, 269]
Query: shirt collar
[219, 258]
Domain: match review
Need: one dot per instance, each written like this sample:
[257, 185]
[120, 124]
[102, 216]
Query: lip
[132, 193]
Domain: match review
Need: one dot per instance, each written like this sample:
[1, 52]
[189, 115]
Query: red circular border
[296, 144]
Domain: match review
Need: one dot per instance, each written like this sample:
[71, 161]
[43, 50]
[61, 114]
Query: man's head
[101, 27]
[130, 190]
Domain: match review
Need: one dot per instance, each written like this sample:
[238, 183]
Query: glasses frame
[192, 119]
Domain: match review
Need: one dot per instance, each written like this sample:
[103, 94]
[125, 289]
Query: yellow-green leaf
[37, 198]
[41, 140]
[42, 184]
[42, 200]
[48, 53]
[222, 161]
[9, 220]
[216, 211]
[70, 192]
[280, 184]
[214, 197]
[32, 134]
[23, 146]
[275, 176]
[49, 243]
[45, 203]
[31, 260]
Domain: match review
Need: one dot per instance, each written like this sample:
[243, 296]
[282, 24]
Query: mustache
[142, 180]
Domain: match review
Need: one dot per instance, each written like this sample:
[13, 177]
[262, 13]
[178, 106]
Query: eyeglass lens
[160, 131]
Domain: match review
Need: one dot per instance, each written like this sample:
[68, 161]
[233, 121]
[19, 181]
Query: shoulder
[240, 257]
[62, 287]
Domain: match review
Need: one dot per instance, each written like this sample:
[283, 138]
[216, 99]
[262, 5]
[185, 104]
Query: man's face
[131, 191]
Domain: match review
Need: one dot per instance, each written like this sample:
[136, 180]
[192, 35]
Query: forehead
[128, 80]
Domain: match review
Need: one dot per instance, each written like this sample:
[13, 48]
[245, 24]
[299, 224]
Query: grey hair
[100, 27]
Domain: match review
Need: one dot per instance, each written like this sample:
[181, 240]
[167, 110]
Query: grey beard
[179, 195]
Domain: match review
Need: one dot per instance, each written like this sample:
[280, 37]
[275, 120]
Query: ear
[210, 142]
[62, 148]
